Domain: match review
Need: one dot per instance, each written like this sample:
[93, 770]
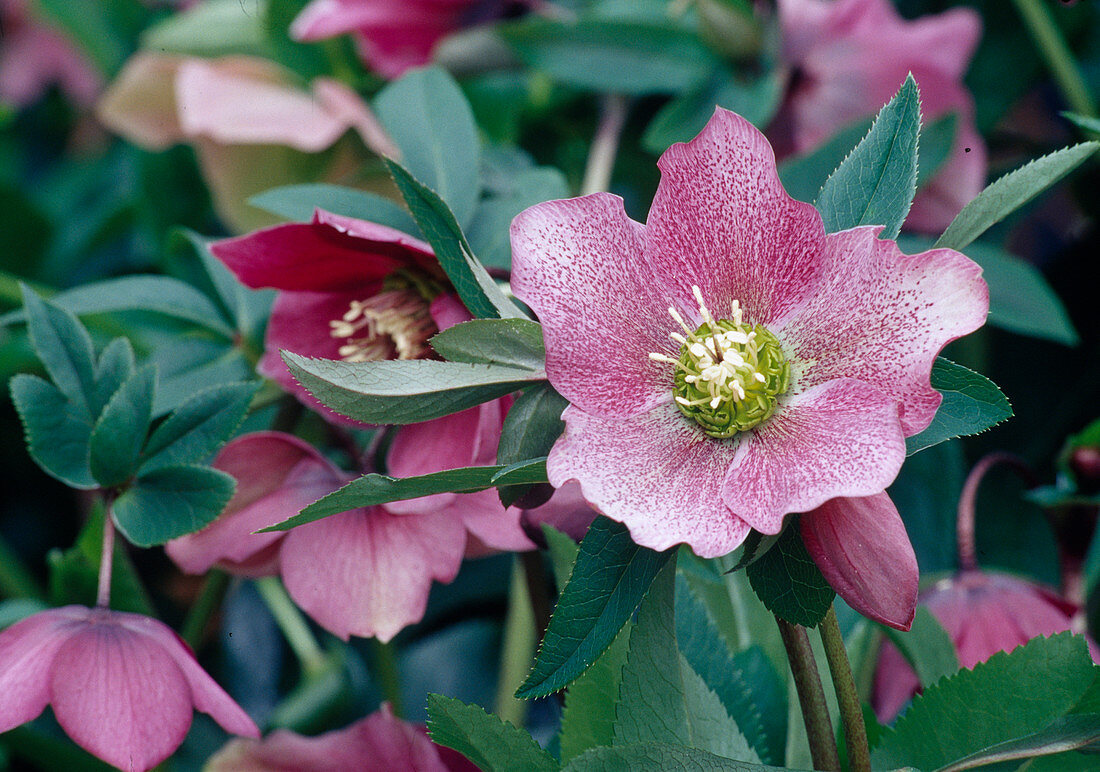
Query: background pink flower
[122, 686]
[35, 56]
[849, 57]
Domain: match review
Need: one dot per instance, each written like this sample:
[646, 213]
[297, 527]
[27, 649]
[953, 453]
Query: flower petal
[377, 568]
[567, 511]
[721, 220]
[598, 340]
[491, 526]
[862, 549]
[657, 473]
[882, 317]
[841, 438]
[141, 102]
[28, 649]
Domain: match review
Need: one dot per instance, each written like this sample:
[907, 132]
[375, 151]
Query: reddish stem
[968, 559]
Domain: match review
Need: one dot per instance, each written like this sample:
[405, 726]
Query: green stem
[517, 648]
[384, 660]
[1052, 47]
[293, 625]
[210, 598]
[855, 731]
[16, 581]
[605, 145]
[107, 558]
[811, 696]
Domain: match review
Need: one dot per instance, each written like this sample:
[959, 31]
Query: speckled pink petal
[721, 220]
[376, 571]
[579, 264]
[841, 438]
[28, 649]
[862, 549]
[882, 317]
[656, 472]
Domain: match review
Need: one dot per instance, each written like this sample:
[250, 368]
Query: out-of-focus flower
[252, 128]
[728, 362]
[566, 511]
[35, 56]
[365, 572]
[393, 36]
[122, 686]
[380, 742]
[847, 59]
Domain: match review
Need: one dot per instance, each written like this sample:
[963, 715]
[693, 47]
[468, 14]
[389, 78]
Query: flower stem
[964, 524]
[855, 731]
[811, 696]
[605, 145]
[384, 662]
[1052, 47]
[517, 648]
[106, 559]
[210, 597]
[293, 625]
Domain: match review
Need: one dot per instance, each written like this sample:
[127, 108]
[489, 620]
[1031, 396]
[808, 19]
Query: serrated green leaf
[876, 183]
[56, 431]
[621, 57]
[115, 445]
[926, 647]
[588, 718]
[526, 472]
[755, 546]
[170, 502]
[477, 290]
[971, 404]
[936, 141]
[609, 578]
[531, 427]
[493, 745]
[563, 553]
[116, 364]
[199, 426]
[658, 757]
[488, 232]
[788, 582]
[65, 349]
[212, 28]
[427, 115]
[407, 391]
[297, 202]
[1064, 734]
[803, 176]
[1005, 698]
[1010, 192]
[511, 342]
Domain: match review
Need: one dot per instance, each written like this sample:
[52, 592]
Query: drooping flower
[380, 742]
[35, 56]
[366, 572]
[252, 128]
[729, 362]
[847, 58]
[123, 686]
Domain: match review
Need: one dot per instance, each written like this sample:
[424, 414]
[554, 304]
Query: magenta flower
[122, 686]
[34, 56]
[380, 742]
[366, 572]
[848, 58]
[729, 362]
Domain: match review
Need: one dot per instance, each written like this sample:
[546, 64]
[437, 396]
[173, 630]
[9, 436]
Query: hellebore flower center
[730, 374]
[396, 323]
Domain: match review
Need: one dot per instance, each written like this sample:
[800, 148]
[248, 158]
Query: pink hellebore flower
[121, 685]
[366, 572]
[729, 362]
[984, 612]
[378, 743]
[849, 56]
[34, 56]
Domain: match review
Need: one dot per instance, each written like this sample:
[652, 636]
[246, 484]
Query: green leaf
[609, 579]
[373, 489]
[297, 202]
[661, 698]
[118, 435]
[488, 232]
[876, 183]
[199, 426]
[512, 342]
[490, 743]
[1064, 734]
[658, 757]
[170, 502]
[936, 141]
[477, 290]
[613, 56]
[55, 429]
[803, 176]
[116, 365]
[531, 470]
[406, 391]
[588, 718]
[427, 115]
[1082, 121]
[926, 647]
[788, 582]
[187, 365]
[212, 28]
[531, 427]
[1005, 698]
[65, 349]
[1010, 192]
[971, 404]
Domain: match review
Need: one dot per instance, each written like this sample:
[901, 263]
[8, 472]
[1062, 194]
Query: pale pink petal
[566, 511]
[491, 526]
[862, 549]
[841, 438]
[376, 569]
[597, 341]
[656, 472]
[882, 317]
[28, 649]
[141, 102]
[350, 109]
[721, 220]
[34, 57]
